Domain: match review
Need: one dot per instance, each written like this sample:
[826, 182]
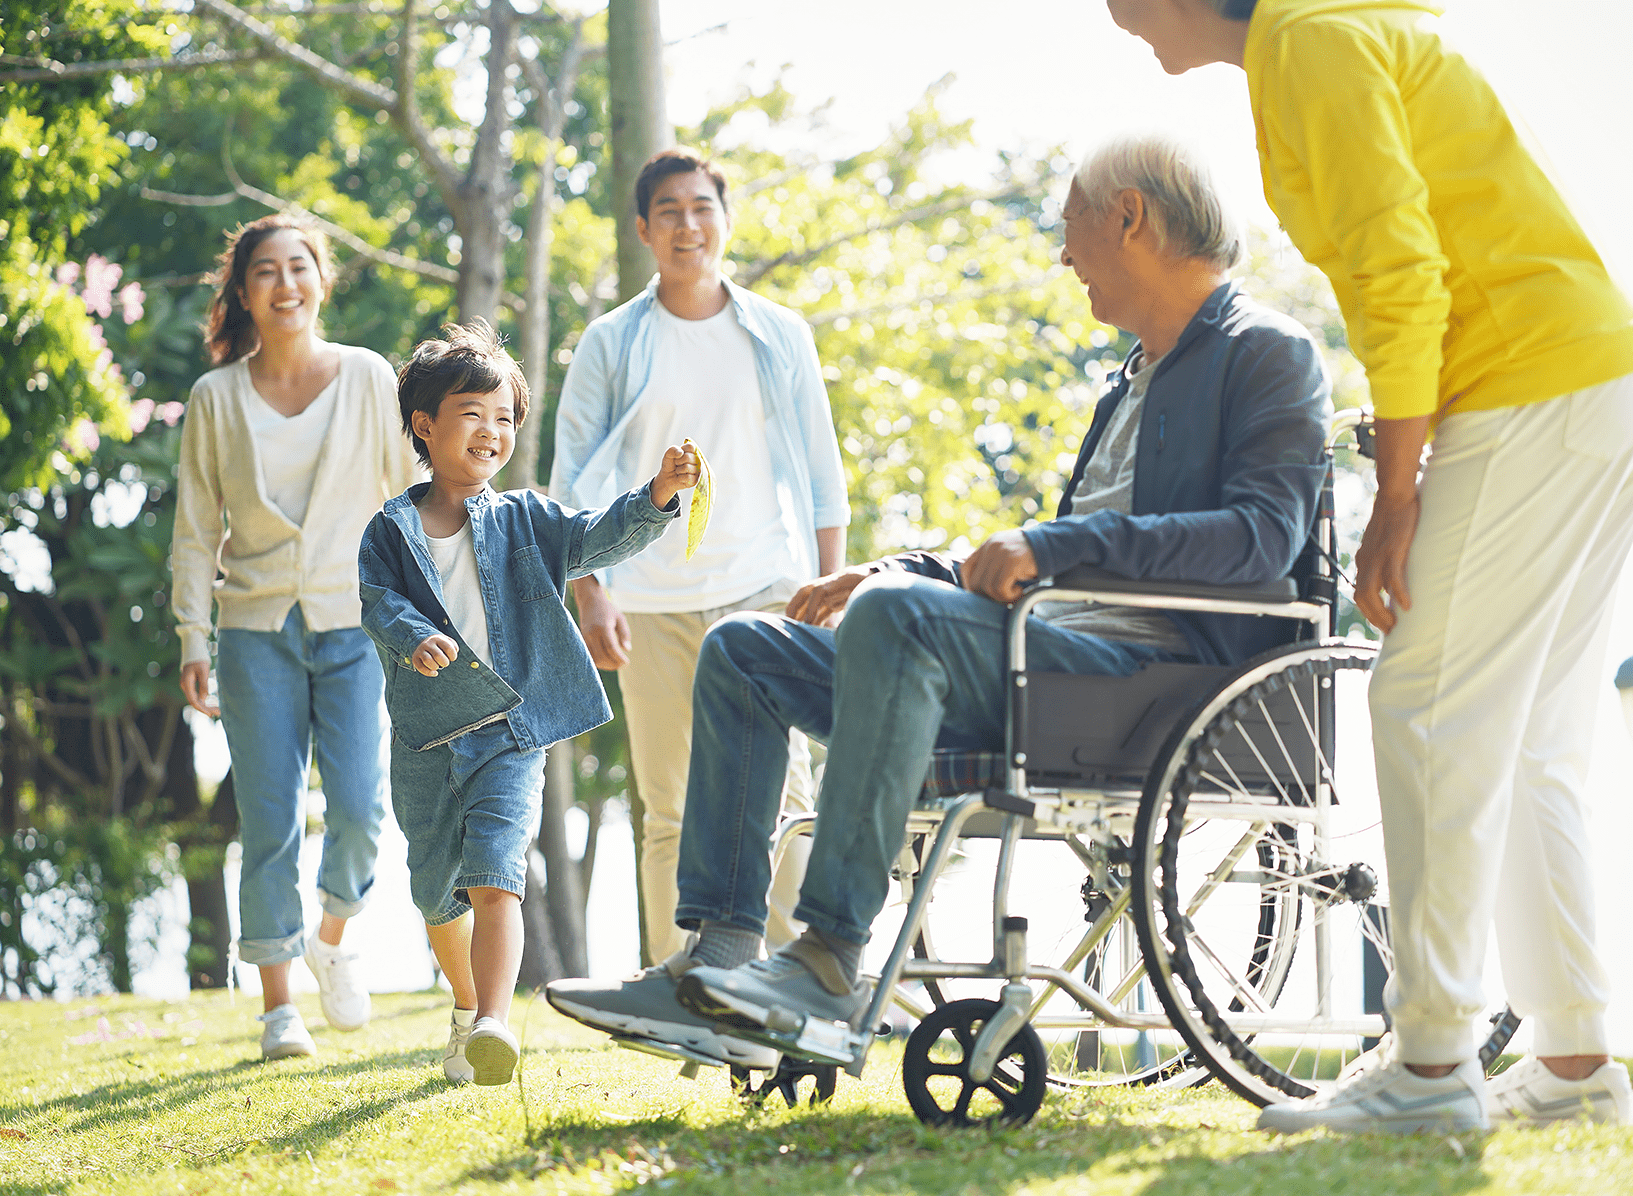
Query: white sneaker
[345, 1002]
[454, 1064]
[284, 1033]
[1528, 1091]
[1388, 1098]
[491, 1051]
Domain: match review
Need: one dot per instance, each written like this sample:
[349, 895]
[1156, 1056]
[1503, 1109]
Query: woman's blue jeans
[916, 664]
[288, 698]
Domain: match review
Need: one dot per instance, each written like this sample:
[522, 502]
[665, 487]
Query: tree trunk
[640, 124]
[566, 895]
[208, 918]
[541, 963]
[484, 197]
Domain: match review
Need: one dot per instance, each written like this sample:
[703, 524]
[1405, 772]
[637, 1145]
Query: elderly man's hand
[821, 602]
[998, 568]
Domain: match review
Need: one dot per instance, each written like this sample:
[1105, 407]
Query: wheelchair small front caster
[935, 1070]
[786, 1080]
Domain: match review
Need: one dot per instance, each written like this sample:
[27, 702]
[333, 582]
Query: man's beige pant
[1483, 709]
[657, 688]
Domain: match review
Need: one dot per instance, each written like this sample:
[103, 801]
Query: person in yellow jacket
[1484, 316]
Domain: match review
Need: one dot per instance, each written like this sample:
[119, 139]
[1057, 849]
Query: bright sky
[1058, 72]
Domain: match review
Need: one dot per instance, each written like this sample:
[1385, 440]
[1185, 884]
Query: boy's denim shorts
[469, 809]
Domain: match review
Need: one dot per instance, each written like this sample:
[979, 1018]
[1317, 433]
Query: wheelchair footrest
[810, 1038]
[667, 1050]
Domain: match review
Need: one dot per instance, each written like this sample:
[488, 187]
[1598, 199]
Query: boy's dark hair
[676, 160]
[469, 359]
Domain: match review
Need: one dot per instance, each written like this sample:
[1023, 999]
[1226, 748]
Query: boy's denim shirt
[527, 548]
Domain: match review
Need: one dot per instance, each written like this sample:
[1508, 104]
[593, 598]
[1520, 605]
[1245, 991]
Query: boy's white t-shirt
[704, 386]
[455, 558]
[288, 448]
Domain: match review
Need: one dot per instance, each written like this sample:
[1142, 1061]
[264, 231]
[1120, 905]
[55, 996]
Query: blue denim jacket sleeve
[1270, 466]
[595, 539]
[389, 618]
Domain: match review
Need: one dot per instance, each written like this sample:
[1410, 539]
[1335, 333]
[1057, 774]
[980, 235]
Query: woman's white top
[455, 559]
[230, 518]
[288, 447]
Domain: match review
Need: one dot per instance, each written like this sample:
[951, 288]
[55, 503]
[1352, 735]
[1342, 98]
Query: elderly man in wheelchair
[1204, 467]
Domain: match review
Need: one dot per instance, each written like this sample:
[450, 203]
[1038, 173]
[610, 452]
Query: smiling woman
[288, 449]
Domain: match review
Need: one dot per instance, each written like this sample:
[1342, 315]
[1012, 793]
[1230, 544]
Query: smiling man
[695, 357]
[1203, 464]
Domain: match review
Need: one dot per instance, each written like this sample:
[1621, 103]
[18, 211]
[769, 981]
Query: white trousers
[1483, 707]
[657, 689]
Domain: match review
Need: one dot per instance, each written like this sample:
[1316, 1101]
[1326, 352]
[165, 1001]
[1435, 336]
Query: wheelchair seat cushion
[954, 773]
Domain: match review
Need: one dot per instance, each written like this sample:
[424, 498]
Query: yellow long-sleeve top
[1465, 282]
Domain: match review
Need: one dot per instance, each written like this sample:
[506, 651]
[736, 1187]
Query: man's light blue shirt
[611, 377]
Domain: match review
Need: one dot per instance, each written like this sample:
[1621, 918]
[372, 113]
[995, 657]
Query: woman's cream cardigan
[225, 524]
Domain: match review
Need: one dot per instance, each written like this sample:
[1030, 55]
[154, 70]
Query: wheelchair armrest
[1087, 577]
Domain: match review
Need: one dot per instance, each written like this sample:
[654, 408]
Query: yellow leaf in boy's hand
[697, 522]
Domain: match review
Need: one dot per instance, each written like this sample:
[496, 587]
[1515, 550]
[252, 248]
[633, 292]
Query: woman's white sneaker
[344, 1000]
[1388, 1098]
[454, 1064]
[1528, 1091]
[283, 1033]
[492, 1052]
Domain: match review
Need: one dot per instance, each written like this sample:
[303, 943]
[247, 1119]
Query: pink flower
[131, 298]
[101, 276]
[171, 412]
[141, 412]
[68, 273]
[83, 437]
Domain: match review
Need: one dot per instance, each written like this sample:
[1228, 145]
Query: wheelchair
[1227, 822]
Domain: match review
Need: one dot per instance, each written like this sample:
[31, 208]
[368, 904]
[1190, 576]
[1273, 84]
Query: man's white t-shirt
[704, 386]
[455, 559]
[288, 448]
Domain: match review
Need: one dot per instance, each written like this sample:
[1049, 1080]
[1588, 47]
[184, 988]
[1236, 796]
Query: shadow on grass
[1405, 1164]
[828, 1150]
[289, 1136]
[139, 1099]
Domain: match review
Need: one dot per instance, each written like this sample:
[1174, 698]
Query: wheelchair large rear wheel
[1265, 796]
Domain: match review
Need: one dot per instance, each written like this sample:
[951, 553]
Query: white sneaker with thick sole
[344, 1000]
[454, 1064]
[1388, 1098]
[1528, 1091]
[283, 1033]
[492, 1052]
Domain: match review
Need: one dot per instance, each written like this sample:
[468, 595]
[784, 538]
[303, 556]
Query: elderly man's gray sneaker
[644, 1007]
[801, 978]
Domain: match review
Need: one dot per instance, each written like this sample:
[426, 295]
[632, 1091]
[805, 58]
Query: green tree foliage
[56, 157]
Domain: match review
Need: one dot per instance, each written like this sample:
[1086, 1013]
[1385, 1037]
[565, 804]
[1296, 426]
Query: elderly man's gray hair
[1180, 198]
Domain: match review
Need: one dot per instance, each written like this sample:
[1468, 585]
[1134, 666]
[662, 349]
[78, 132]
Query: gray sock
[721, 945]
[846, 953]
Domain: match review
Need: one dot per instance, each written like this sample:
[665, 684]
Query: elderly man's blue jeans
[916, 664]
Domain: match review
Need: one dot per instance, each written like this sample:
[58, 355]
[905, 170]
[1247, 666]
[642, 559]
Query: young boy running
[462, 594]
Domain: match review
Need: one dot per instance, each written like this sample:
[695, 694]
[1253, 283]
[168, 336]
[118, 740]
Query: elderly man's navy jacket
[527, 548]
[1227, 472]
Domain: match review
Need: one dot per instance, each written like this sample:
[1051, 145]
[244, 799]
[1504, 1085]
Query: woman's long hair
[229, 331]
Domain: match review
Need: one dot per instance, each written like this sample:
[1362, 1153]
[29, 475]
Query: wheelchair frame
[1081, 816]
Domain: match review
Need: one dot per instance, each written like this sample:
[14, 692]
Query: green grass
[178, 1103]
